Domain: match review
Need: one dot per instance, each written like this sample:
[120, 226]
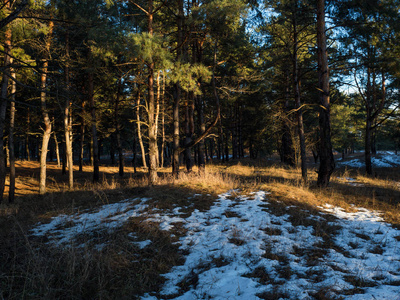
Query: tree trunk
[177, 92]
[157, 115]
[202, 127]
[176, 137]
[82, 137]
[151, 107]
[95, 143]
[45, 114]
[368, 162]
[296, 87]
[188, 133]
[28, 128]
[287, 149]
[3, 103]
[11, 193]
[139, 132]
[117, 130]
[68, 125]
[57, 149]
[134, 150]
[163, 124]
[327, 162]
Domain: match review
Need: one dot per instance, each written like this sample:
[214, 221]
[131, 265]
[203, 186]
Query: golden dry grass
[32, 269]
[380, 193]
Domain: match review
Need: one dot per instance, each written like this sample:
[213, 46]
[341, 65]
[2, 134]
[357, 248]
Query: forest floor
[242, 230]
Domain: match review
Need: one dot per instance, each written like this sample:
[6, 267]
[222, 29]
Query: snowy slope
[244, 248]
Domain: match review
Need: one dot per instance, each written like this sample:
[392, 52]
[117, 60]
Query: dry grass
[31, 270]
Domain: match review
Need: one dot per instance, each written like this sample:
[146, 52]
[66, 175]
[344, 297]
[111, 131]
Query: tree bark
[177, 93]
[3, 103]
[176, 135]
[82, 136]
[151, 108]
[287, 150]
[11, 193]
[296, 87]
[95, 142]
[188, 132]
[202, 127]
[68, 124]
[163, 123]
[327, 162]
[117, 130]
[45, 114]
[57, 149]
[139, 132]
[27, 141]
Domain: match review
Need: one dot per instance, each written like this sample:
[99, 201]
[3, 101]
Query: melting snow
[386, 159]
[63, 228]
[239, 235]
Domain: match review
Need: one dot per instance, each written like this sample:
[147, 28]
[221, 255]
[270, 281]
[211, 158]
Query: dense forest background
[179, 83]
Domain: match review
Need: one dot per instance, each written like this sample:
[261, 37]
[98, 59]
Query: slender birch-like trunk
[139, 131]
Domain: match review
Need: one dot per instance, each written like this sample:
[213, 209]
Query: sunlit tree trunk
[163, 124]
[57, 149]
[151, 108]
[327, 162]
[11, 193]
[45, 114]
[157, 114]
[68, 124]
[139, 131]
[177, 93]
[202, 125]
[3, 102]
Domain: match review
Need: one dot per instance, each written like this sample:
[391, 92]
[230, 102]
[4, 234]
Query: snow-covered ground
[384, 159]
[245, 248]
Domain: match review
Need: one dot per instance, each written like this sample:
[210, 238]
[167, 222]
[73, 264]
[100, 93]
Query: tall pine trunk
[45, 114]
[327, 162]
[68, 124]
[297, 99]
[3, 103]
[177, 93]
[81, 136]
[176, 135]
[163, 140]
[117, 130]
[287, 150]
[11, 193]
[202, 126]
[151, 107]
[95, 142]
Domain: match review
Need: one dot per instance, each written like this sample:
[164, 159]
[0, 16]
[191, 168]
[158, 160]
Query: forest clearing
[199, 149]
[243, 230]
